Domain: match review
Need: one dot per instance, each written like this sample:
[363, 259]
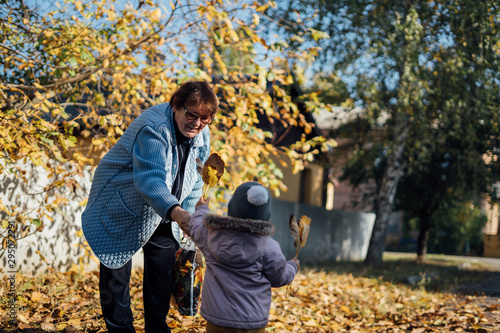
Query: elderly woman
[142, 185]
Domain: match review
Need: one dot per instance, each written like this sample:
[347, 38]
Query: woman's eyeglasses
[193, 116]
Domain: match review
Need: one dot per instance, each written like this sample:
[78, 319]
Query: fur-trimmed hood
[235, 242]
[258, 227]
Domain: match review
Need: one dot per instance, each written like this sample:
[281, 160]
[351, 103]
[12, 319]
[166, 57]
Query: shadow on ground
[459, 277]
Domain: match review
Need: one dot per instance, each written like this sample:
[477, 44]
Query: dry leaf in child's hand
[304, 227]
[294, 229]
[212, 171]
[213, 162]
[300, 231]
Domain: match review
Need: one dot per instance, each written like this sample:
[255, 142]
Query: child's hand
[297, 262]
[202, 202]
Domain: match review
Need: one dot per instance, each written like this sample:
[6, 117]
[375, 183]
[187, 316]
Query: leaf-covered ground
[344, 298]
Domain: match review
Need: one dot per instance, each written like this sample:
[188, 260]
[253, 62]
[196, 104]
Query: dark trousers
[211, 328]
[159, 262]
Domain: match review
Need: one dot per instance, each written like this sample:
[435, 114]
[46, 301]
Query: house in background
[309, 186]
[492, 229]
[340, 194]
[319, 183]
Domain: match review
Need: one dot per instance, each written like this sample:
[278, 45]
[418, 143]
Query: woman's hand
[182, 217]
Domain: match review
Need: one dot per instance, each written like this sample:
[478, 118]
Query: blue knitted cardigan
[130, 192]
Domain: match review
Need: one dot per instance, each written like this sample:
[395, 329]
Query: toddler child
[242, 261]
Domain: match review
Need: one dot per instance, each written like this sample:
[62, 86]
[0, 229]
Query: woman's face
[191, 120]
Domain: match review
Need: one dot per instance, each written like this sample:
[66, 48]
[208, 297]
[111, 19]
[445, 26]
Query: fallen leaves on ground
[316, 301]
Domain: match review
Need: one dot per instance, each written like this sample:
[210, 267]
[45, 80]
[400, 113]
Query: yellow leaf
[76, 323]
[61, 327]
[156, 14]
[311, 323]
[22, 319]
[212, 176]
[234, 36]
[305, 220]
[47, 326]
[345, 309]
[41, 256]
[212, 171]
[36, 296]
[207, 63]
[256, 19]
[213, 162]
[304, 226]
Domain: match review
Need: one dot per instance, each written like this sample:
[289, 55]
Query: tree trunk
[423, 237]
[385, 201]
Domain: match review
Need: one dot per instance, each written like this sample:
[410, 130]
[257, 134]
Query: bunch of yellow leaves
[210, 172]
[300, 231]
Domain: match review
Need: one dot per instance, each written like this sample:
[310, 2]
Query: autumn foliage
[74, 75]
